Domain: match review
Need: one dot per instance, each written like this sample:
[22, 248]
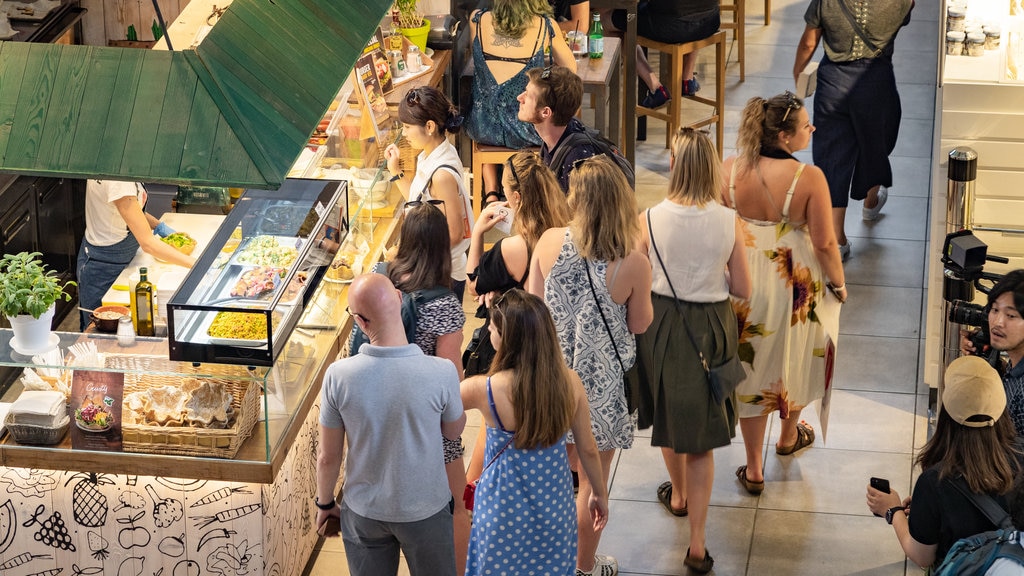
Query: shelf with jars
[984, 41]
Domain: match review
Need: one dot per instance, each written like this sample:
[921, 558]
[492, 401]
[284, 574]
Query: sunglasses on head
[791, 104]
[546, 73]
[515, 175]
[439, 204]
[413, 96]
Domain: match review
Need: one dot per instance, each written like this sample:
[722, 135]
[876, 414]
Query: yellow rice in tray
[238, 325]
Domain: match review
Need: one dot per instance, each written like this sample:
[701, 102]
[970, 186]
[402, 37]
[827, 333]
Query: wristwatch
[332, 504]
[397, 177]
[888, 513]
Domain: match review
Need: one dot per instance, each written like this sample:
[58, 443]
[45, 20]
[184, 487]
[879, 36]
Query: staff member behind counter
[115, 227]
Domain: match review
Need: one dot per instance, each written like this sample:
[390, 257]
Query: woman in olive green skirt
[698, 260]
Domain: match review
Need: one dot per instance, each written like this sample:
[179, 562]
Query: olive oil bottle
[143, 297]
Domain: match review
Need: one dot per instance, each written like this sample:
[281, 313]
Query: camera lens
[968, 313]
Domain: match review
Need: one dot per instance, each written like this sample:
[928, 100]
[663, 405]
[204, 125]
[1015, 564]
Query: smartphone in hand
[880, 484]
[330, 528]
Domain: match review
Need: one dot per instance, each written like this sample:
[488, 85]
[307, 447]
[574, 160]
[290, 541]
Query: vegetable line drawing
[22, 559]
[226, 515]
[214, 534]
[166, 511]
[89, 505]
[219, 495]
[87, 571]
[8, 525]
[126, 537]
[130, 499]
[52, 531]
[231, 560]
[186, 568]
[52, 572]
[98, 545]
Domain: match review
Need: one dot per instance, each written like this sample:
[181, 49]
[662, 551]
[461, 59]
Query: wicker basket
[144, 373]
[32, 434]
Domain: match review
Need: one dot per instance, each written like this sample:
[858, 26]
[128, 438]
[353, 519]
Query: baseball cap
[973, 395]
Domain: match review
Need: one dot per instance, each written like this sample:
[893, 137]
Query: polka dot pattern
[524, 521]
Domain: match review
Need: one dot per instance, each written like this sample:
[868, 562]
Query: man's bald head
[375, 301]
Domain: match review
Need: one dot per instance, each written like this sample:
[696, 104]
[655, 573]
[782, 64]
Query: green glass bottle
[596, 37]
[144, 305]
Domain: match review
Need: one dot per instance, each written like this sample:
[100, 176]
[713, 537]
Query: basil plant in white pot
[28, 294]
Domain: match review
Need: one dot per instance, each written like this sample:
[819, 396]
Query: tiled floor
[811, 518]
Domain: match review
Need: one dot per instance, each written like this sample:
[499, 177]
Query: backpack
[410, 312]
[973, 556]
[603, 146]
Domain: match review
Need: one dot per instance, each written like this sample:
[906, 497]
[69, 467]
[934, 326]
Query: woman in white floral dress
[792, 256]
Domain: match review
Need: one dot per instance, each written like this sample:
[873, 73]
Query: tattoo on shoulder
[506, 41]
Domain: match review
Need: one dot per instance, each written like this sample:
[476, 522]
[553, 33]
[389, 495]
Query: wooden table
[628, 71]
[601, 79]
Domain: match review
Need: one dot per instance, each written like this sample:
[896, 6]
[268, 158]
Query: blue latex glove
[163, 230]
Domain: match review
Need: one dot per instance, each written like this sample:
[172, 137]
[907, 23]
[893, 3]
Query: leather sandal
[700, 566]
[752, 487]
[492, 197]
[804, 438]
[665, 497]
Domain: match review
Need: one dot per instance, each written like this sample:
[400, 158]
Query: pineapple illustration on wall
[89, 505]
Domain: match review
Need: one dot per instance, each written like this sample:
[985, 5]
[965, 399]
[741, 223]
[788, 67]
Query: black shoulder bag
[628, 374]
[722, 379]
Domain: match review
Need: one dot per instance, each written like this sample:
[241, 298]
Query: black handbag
[630, 376]
[722, 379]
[479, 354]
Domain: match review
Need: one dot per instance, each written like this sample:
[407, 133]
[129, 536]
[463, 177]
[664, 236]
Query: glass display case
[244, 296]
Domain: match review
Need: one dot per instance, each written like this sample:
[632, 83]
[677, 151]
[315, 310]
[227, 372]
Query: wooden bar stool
[672, 55]
[485, 154]
[739, 22]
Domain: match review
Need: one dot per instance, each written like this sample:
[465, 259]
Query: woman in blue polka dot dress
[524, 521]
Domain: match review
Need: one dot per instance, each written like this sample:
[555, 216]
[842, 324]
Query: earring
[787, 141]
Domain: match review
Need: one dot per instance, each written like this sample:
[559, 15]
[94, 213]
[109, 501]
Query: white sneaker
[603, 566]
[844, 250]
[870, 214]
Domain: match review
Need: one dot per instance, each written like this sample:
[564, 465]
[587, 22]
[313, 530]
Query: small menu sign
[96, 410]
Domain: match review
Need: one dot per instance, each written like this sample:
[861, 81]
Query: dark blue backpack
[410, 312]
[974, 555]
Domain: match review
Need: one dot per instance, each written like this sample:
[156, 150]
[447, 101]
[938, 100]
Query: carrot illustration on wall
[226, 515]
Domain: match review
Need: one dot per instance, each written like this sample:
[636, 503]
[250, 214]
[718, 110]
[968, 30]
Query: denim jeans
[98, 267]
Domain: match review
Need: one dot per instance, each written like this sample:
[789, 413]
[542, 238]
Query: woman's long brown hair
[424, 258]
[984, 456]
[542, 393]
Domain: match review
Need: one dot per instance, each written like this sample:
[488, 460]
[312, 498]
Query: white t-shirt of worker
[104, 225]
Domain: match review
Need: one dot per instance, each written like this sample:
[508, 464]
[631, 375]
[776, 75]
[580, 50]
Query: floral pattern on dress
[781, 340]
[586, 345]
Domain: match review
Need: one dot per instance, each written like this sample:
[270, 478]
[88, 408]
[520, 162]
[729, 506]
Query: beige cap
[973, 388]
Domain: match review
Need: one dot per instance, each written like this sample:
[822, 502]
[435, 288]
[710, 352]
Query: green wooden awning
[235, 111]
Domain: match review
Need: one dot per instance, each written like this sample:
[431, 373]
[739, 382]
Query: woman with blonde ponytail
[792, 254]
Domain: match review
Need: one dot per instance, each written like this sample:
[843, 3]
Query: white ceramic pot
[32, 333]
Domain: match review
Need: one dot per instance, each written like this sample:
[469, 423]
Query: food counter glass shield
[245, 294]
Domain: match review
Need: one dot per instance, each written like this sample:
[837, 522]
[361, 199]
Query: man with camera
[1006, 334]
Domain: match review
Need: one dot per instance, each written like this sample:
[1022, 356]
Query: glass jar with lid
[975, 44]
[954, 43]
[993, 35]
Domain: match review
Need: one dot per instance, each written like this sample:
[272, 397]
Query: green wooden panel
[13, 57]
[40, 69]
[228, 157]
[286, 39]
[122, 102]
[100, 83]
[235, 70]
[177, 108]
[199, 135]
[252, 142]
[292, 80]
[65, 108]
[282, 142]
[145, 120]
[348, 20]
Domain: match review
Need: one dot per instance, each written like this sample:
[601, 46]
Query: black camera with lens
[963, 259]
[971, 314]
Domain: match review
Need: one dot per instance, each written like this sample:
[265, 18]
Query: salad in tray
[267, 251]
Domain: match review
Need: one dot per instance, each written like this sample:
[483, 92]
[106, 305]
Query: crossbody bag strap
[600, 310]
[430, 180]
[858, 30]
[495, 457]
[675, 299]
[985, 503]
